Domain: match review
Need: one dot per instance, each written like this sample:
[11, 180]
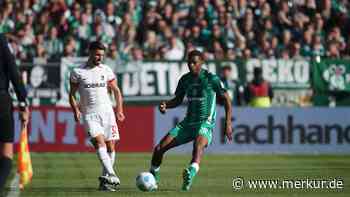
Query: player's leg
[198, 149]
[111, 152]
[6, 142]
[111, 136]
[201, 141]
[174, 138]
[104, 185]
[93, 123]
[6, 156]
[164, 145]
[101, 149]
[189, 173]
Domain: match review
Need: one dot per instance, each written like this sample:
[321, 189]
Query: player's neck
[90, 64]
[197, 74]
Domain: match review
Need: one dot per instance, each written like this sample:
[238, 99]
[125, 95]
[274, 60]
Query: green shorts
[184, 132]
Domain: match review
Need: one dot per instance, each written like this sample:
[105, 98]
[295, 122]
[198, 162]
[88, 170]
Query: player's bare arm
[119, 99]
[176, 101]
[73, 101]
[228, 113]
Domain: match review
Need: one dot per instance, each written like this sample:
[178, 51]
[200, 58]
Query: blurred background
[290, 57]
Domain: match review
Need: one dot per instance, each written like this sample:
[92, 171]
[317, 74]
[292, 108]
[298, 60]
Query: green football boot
[156, 175]
[188, 176]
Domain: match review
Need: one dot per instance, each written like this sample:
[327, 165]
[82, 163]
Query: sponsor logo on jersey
[95, 85]
[195, 98]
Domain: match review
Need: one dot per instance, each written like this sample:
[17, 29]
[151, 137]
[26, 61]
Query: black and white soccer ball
[146, 182]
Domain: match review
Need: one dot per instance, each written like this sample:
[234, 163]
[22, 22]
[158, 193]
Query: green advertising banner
[331, 75]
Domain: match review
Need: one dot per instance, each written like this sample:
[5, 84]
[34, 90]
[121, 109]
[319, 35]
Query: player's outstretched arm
[228, 112]
[176, 101]
[119, 99]
[73, 101]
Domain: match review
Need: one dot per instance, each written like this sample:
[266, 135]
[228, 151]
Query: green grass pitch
[75, 174]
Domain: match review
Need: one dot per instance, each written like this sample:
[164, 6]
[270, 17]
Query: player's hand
[24, 116]
[120, 116]
[228, 131]
[77, 115]
[162, 107]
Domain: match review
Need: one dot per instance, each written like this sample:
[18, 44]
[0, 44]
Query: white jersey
[93, 87]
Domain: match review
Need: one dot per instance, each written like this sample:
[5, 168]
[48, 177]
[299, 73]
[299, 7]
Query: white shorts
[101, 123]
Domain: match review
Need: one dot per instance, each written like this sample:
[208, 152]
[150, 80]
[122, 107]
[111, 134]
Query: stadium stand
[167, 29]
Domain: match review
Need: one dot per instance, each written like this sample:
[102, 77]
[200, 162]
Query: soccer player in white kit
[92, 81]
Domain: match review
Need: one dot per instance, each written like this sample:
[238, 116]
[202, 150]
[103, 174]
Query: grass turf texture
[72, 174]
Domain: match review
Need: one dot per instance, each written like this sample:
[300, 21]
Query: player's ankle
[155, 168]
[195, 166]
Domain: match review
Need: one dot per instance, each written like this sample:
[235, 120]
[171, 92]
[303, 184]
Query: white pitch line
[14, 187]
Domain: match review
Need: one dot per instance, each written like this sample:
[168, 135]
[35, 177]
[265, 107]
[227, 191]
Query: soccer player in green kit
[201, 88]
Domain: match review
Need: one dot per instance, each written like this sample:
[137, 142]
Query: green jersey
[201, 93]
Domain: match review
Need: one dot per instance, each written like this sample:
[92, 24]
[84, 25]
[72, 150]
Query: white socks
[155, 168]
[105, 160]
[195, 166]
[112, 157]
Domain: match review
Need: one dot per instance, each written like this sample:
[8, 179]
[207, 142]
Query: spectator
[150, 46]
[6, 23]
[103, 30]
[284, 16]
[175, 50]
[295, 51]
[53, 45]
[112, 52]
[234, 89]
[111, 17]
[43, 25]
[230, 54]
[318, 49]
[127, 32]
[258, 92]
[218, 51]
[71, 47]
[84, 32]
[307, 43]
[89, 12]
[333, 50]
[137, 54]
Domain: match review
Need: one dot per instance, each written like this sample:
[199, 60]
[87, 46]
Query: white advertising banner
[274, 130]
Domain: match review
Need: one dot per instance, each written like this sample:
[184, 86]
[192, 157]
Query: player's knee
[100, 144]
[201, 143]
[110, 146]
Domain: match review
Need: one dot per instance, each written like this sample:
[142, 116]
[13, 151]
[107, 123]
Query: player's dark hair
[96, 45]
[195, 53]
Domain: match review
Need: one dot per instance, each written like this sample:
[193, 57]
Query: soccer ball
[146, 182]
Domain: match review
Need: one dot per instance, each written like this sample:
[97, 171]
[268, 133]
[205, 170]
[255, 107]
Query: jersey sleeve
[218, 85]
[110, 74]
[180, 89]
[74, 76]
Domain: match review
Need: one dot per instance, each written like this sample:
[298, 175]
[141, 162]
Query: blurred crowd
[167, 29]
